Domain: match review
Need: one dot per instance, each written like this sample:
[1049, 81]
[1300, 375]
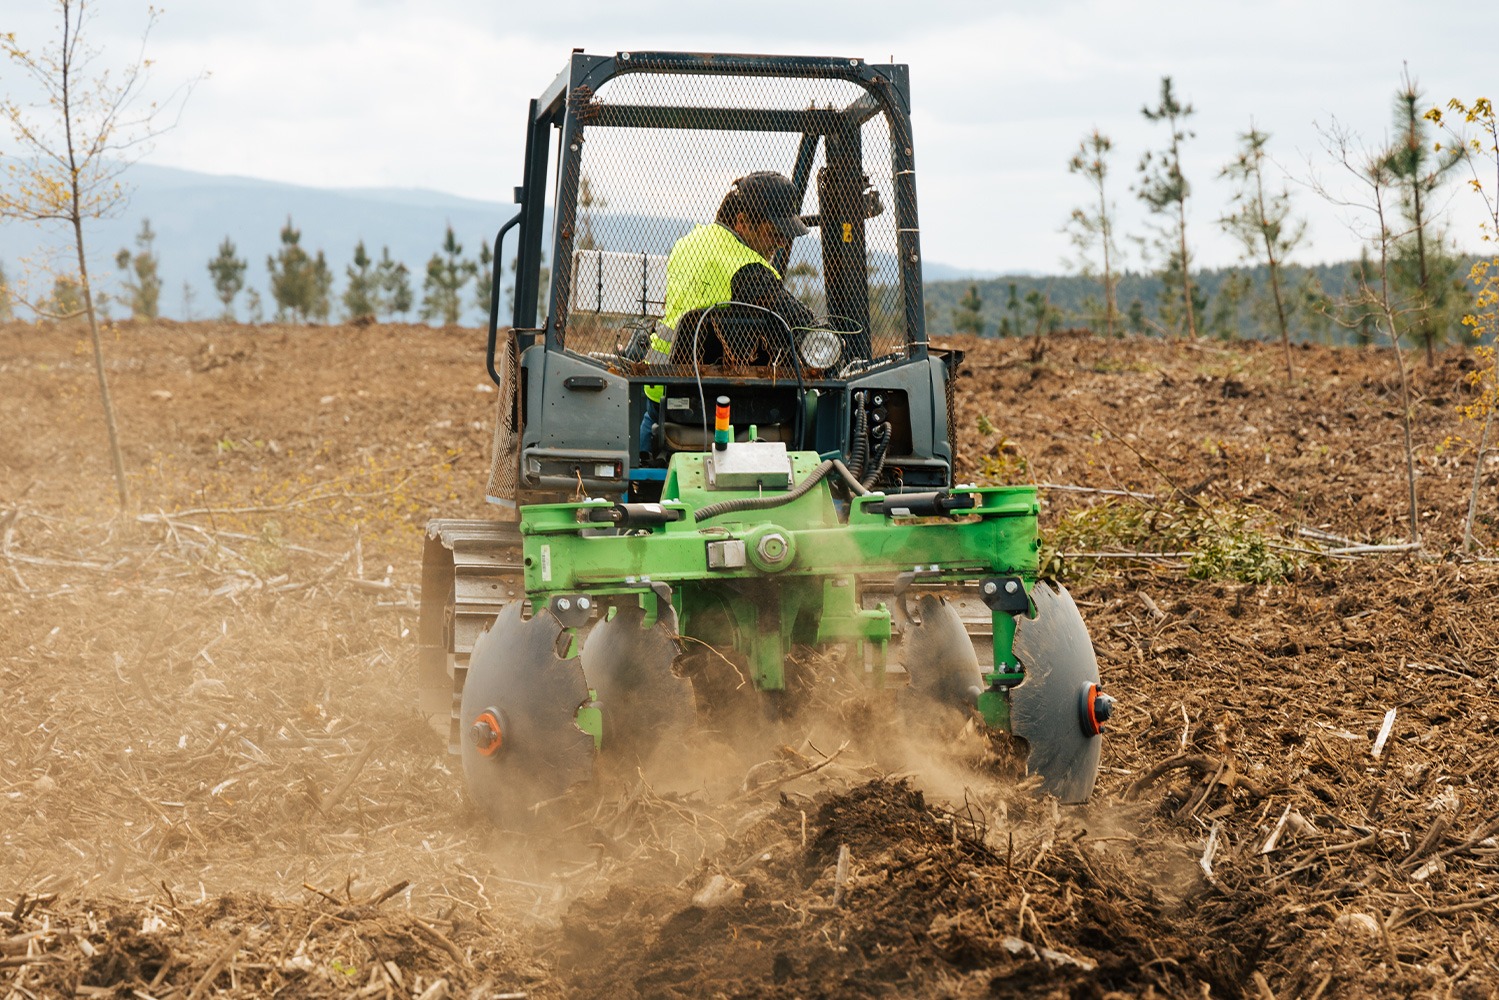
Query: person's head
[762, 209]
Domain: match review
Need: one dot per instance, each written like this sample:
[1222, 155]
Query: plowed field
[213, 781]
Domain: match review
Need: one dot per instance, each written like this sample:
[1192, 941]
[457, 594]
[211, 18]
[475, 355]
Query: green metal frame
[809, 594]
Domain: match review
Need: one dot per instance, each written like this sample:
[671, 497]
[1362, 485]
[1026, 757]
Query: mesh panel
[659, 152]
[505, 452]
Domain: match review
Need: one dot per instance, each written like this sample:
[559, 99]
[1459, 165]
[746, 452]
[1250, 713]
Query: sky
[433, 93]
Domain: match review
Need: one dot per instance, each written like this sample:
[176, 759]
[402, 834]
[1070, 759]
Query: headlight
[818, 348]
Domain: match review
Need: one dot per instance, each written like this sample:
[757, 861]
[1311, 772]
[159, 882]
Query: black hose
[882, 435]
[780, 499]
[859, 449]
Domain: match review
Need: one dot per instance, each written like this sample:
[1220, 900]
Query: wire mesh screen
[658, 153]
[504, 450]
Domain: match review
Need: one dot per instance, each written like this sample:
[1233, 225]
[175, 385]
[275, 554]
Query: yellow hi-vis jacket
[699, 273]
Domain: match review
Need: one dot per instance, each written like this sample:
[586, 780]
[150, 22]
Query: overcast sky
[432, 93]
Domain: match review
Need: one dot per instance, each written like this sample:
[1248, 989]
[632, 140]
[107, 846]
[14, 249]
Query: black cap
[768, 195]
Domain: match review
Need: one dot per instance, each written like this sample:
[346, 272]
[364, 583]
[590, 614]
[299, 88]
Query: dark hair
[764, 196]
[735, 202]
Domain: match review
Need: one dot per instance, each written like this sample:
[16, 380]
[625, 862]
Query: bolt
[584, 604]
[990, 587]
[482, 735]
[1103, 707]
[772, 548]
[1011, 586]
[563, 604]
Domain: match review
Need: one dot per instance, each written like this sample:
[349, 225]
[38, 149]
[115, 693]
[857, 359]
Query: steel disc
[642, 702]
[520, 691]
[1046, 708]
[939, 655]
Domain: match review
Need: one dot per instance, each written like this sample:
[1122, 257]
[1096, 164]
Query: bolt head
[991, 587]
[1011, 586]
[563, 604]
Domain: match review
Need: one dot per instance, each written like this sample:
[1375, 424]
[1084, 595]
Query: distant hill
[191, 214]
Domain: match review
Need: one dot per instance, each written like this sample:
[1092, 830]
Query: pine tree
[143, 282]
[544, 280]
[254, 310]
[1009, 325]
[1263, 225]
[67, 299]
[228, 273]
[361, 295]
[484, 281]
[321, 306]
[1094, 227]
[1043, 316]
[1362, 315]
[393, 289]
[1422, 272]
[1165, 190]
[292, 280]
[968, 318]
[447, 273]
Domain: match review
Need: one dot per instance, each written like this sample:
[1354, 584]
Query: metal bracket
[1005, 593]
[903, 582]
[571, 610]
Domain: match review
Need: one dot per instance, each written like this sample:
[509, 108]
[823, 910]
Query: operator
[729, 260]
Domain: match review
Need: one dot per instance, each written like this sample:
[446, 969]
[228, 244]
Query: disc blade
[1057, 655]
[642, 702]
[514, 670]
[939, 655]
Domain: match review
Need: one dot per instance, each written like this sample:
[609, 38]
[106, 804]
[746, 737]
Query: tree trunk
[1109, 307]
[1186, 271]
[116, 458]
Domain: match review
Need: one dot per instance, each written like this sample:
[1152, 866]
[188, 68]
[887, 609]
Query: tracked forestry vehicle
[738, 492]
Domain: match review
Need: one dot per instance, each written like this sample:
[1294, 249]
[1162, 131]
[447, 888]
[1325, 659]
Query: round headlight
[819, 348]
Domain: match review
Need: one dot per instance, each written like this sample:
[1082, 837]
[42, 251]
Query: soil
[213, 780]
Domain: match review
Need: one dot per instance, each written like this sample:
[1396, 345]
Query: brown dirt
[213, 782]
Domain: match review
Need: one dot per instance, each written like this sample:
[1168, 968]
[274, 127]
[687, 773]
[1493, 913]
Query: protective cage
[651, 143]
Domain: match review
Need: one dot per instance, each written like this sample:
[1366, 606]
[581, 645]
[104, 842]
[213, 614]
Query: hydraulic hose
[779, 499]
[882, 446]
[860, 449]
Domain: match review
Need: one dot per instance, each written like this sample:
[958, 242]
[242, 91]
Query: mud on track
[212, 781]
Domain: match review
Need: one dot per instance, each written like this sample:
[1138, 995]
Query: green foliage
[447, 273]
[294, 281]
[1263, 225]
[254, 308]
[361, 295]
[1141, 296]
[1425, 275]
[228, 273]
[1003, 464]
[1164, 190]
[1009, 326]
[143, 281]
[1228, 541]
[484, 281]
[66, 300]
[967, 317]
[1091, 228]
[322, 289]
[543, 283]
[1224, 320]
[1041, 315]
[393, 296]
